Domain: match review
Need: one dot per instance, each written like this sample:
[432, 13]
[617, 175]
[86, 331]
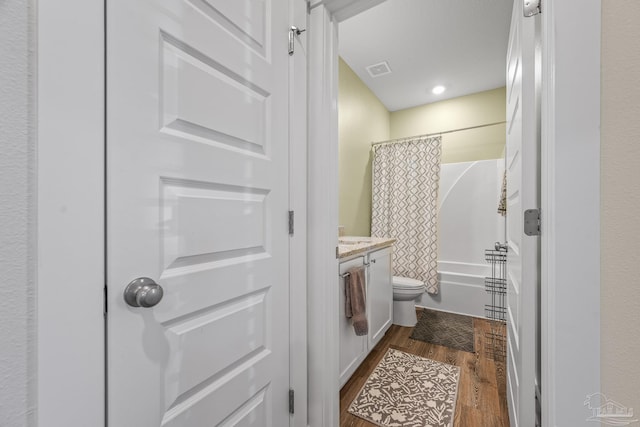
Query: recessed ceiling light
[438, 89]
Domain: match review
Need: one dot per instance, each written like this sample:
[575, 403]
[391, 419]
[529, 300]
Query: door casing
[570, 169]
[70, 214]
[70, 211]
[570, 206]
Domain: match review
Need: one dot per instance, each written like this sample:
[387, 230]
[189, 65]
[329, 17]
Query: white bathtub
[461, 289]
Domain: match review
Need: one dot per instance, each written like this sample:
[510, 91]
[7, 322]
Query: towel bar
[364, 264]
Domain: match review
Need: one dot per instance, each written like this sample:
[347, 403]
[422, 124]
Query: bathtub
[461, 289]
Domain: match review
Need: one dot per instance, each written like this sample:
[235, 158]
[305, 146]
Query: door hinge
[337, 252]
[532, 8]
[293, 32]
[291, 222]
[532, 222]
[291, 400]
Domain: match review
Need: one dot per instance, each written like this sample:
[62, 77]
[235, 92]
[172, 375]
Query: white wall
[468, 223]
[17, 199]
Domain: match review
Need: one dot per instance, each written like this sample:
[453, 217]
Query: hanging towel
[502, 206]
[355, 300]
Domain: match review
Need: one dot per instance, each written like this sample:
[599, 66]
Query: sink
[354, 240]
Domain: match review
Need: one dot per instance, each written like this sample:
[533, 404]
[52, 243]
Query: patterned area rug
[446, 329]
[406, 390]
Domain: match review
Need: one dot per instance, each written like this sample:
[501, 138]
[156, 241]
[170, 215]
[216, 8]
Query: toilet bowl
[405, 293]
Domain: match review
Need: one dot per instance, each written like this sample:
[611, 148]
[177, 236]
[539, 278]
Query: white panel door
[523, 179]
[197, 187]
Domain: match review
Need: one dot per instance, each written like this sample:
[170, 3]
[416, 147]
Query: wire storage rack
[496, 286]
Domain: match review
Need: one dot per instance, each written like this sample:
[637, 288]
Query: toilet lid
[406, 283]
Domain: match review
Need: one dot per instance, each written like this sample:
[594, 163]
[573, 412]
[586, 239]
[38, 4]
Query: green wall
[477, 109]
[363, 119]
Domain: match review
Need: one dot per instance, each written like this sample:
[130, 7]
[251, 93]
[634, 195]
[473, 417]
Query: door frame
[70, 221]
[570, 169]
[74, 231]
[70, 224]
[570, 205]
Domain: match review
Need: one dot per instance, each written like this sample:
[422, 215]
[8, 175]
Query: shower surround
[468, 223]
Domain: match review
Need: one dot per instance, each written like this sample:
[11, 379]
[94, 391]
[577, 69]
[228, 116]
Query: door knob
[143, 292]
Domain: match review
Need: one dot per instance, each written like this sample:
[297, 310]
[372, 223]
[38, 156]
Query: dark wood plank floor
[482, 389]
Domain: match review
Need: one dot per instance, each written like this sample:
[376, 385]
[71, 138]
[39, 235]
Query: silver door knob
[143, 292]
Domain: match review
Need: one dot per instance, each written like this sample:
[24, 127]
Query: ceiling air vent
[379, 69]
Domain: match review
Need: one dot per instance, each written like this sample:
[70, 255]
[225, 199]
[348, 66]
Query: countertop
[354, 245]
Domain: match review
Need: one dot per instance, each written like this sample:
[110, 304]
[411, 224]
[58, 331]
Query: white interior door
[523, 177]
[197, 200]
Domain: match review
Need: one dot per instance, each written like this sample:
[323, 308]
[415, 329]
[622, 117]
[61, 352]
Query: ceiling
[460, 44]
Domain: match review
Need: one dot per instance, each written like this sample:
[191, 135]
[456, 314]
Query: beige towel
[355, 301]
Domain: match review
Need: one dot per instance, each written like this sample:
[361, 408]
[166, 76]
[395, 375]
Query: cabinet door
[379, 295]
[353, 349]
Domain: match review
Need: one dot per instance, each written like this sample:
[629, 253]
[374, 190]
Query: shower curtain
[406, 176]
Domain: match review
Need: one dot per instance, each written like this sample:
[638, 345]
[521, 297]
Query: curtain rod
[393, 141]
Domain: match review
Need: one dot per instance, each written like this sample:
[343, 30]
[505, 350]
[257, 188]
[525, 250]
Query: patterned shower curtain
[406, 177]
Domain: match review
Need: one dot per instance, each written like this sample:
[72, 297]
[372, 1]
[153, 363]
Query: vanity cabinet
[353, 349]
[379, 298]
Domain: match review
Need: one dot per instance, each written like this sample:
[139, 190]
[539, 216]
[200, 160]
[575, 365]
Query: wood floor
[481, 392]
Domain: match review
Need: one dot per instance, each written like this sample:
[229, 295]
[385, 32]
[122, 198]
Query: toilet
[405, 293]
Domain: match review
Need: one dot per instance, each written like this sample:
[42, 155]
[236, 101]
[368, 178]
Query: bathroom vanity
[375, 255]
